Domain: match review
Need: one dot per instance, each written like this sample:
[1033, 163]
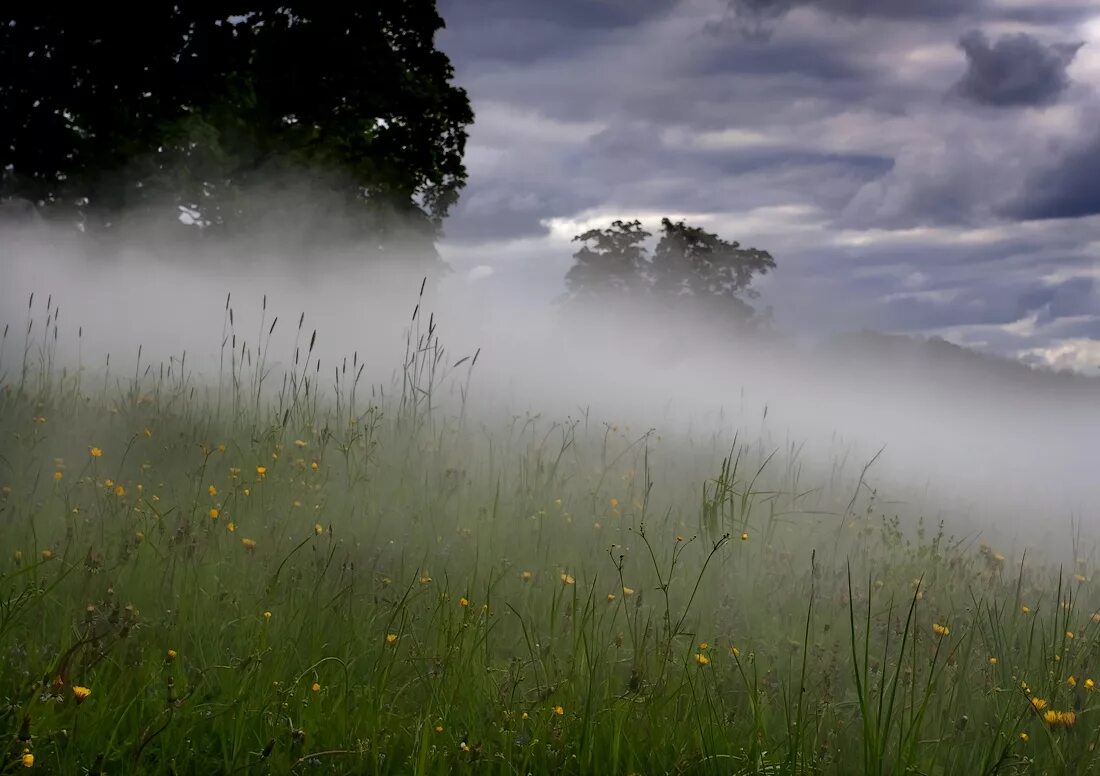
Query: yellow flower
[221, 447]
[610, 597]
[1038, 703]
[316, 687]
[526, 576]
[628, 591]
[231, 526]
[57, 475]
[213, 513]
[940, 630]
[81, 693]
[704, 646]
[679, 537]
[1025, 609]
[267, 615]
[120, 491]
[1096, 616]
[1089, 684]
[315, 466]
[96, 452]
[1072, 681]
[525, 716]
[172, 654]
[1069, 634]
[318, 529]
[299, 443]
[248, 491]
[261, 471]
[438, 728]
[463, 601]
[560, 711]
[27, 759]
[148, 432]
[1059, 718]
[391, 638]
[108, 483]
[614, 503]
[1025, 737]
[213, 491]
[744, 537]
[425, 579]
[993, 661]
[249, 544]
[567, 579]
[139, 537]
[702, 659]
[735, 652]
[1080, 578]
[46, 554]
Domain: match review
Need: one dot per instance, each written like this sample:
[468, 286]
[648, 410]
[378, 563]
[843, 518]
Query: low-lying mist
[964, 446]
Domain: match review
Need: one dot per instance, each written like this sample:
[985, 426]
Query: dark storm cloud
[755, 19]
[1069, 189]
[1016, 70]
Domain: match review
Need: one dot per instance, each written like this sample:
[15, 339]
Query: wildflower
[1069, 634]
[559, 710]
[998, 558]
[315, 466]
[213, 491]
[438, 728]
[391, 638]
[744, 537]
[703, 646]
[1059, 718]
[108, 483]
[27, 759]
[1080, 578]
[567, 579]
[148, 432]
[139, 537]
[57, 475]
[702, 659]
[1025, 737]
[234, 472]
[464, 746]
[81, 693]
[1089, 684]
[46, 554]
[425, 579]
[318, 529]
[993, 661]
[249, 544]
[267, 615]
[628, 591]
[614, 503]
[1096, 616]
[248, 491]
[735, 652]
[315, 687]
[120, 491]
[231, 526]
[525, 716]
[610, 597]
[96, 452]
[1025, 609]
[463, 601]
[1038, 703]
[213, 513]
[679, 537]
[940, 630]
[172, 654]
[261, 471]
[526, 576]
[299, 443]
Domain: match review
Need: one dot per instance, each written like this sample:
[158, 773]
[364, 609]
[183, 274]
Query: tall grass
[252, 578]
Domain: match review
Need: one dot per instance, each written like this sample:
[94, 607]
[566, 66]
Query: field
[229, 576]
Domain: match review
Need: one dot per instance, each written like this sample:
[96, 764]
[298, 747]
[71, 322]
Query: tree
[692, 271]
[194, 109]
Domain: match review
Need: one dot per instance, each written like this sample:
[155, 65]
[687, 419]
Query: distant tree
[190, 107]
[691, 271]
[610, 262]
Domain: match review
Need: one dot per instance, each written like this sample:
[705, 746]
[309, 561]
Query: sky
[931, 167]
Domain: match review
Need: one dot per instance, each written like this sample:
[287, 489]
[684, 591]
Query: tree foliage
[691, 270]
[196, 106]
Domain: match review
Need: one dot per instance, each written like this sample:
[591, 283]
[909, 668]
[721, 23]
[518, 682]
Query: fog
[980, 449]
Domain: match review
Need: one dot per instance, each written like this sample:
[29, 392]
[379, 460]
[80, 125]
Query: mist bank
[1018, 449]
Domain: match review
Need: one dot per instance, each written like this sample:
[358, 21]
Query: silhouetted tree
[692, 271]
[192, 106]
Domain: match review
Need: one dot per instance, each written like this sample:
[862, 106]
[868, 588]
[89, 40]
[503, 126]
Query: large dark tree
[692, 272]
[181, 106]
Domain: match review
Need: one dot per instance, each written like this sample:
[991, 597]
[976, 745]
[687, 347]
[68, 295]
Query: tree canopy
[184, 108]
[691, 271]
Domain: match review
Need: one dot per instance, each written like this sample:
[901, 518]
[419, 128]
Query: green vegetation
[222, 578]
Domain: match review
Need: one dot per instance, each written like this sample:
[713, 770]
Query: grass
[252, 578]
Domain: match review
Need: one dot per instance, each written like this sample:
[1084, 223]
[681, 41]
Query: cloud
[1016, 71]
[1068, 189]
[480, 272]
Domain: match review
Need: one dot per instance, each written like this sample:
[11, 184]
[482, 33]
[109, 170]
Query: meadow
[299, 573]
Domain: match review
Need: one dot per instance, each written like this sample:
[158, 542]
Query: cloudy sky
[924, 166]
